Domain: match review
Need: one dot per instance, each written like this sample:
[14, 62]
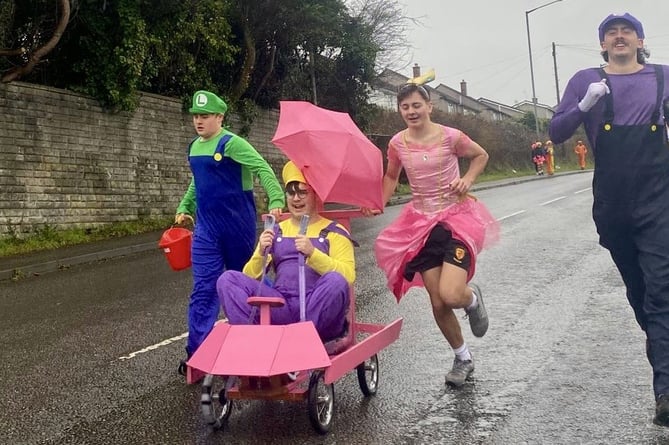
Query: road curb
[64, 263]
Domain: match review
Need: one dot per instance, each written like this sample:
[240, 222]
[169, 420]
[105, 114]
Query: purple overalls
[327, 295]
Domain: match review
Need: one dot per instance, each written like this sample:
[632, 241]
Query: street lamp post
[529, 48]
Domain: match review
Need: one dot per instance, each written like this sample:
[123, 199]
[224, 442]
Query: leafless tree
[33, 56]
[390, 24]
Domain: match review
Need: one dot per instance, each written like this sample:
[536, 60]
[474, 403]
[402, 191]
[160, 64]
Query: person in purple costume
[329, 267]
[621, 108]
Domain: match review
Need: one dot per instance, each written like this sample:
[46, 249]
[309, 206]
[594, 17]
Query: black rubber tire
[369, 368]
[320, 403]
[214, 406]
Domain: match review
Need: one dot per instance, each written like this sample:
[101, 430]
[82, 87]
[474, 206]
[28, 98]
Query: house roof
[525, 103]
[507, 110]
[389, 81]
[458, 98]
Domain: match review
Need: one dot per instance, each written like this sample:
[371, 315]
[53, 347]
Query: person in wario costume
[621, 105]
[220, 195]
[329, 267]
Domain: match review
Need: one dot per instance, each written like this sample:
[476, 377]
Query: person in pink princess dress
[436, 238]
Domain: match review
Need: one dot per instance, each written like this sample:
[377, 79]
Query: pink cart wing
[260, 350]
[300, 349]
[206, 355]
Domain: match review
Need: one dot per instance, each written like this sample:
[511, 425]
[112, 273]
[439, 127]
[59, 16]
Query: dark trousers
[638, 241]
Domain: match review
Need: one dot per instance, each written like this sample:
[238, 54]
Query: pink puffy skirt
[468, 220]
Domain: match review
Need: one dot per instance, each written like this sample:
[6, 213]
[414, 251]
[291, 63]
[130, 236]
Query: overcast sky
[484, 42]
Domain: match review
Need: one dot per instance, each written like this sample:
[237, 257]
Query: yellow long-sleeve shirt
[340, 259]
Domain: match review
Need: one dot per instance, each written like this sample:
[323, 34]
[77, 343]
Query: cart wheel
[320, 402]
[215, 407]
[368, 375]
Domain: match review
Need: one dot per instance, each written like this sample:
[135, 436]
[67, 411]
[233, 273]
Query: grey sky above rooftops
[484, 42]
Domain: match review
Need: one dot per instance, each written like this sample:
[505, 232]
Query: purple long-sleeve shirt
[634, 100]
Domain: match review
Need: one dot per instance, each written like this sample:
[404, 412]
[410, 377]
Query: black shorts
[440, 247]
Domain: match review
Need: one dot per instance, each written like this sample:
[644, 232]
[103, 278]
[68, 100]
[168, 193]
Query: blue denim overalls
[224, 235]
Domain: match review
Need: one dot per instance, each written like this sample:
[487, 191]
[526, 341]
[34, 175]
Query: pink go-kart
[286, 362]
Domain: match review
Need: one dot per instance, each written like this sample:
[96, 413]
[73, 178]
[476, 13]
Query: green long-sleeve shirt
[242, 152]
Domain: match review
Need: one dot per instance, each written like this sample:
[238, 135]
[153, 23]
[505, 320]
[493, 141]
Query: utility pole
[557, 86]
[529, 49]
[557, 93]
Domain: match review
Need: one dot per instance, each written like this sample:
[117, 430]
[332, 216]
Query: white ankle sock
[463, 352]
[474, 302]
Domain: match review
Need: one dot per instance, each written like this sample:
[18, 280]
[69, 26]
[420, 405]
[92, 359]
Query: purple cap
[627, 17]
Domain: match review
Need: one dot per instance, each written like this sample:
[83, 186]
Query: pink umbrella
[337, 159]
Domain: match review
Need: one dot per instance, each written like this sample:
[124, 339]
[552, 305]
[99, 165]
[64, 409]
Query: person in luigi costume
[220, 198]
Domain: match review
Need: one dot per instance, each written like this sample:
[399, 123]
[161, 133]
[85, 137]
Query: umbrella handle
[304, 223]
[269, 221]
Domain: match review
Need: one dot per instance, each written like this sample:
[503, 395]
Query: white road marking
[159, 344]
[156, 346]
[511, 215]
[552, 201]
[584, 190]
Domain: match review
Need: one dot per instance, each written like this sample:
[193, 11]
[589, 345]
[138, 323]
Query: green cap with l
[206, 102]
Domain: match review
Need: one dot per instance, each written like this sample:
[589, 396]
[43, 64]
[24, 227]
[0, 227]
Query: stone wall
[66, 162]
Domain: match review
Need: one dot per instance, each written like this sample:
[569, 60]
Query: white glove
[596, 90]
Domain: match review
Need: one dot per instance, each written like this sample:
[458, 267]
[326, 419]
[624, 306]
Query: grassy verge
[512, 173]
[49, 238]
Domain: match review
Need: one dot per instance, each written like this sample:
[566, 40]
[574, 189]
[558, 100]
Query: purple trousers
[327, 302]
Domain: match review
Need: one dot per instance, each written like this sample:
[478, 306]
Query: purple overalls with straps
[327, 295]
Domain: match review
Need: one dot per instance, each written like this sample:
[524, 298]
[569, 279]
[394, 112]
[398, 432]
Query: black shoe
[662, 411]
[181, 369]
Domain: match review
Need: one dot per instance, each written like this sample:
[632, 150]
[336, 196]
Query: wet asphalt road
[89, 353]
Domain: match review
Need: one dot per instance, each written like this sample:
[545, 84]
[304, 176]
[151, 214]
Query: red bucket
[176, 243]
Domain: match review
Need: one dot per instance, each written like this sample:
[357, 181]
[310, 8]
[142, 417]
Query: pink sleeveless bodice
[430, 168]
